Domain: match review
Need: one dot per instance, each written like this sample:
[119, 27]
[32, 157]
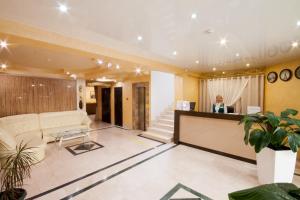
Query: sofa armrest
[86, 121]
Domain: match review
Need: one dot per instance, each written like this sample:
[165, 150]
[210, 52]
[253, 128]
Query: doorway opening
[118, 106]
[140, 108]
[105, 98]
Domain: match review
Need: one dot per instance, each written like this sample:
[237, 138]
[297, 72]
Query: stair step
[166, 121]
[160, 130]
[160, 137]
[163, 126]
[167, 117]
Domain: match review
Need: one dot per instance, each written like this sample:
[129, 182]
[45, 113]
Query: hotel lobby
[146, 100]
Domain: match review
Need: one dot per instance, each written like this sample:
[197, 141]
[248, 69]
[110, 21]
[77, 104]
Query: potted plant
[276, 140]
[15, 167]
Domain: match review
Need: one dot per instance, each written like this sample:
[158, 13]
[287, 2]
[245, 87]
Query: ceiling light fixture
[197, 62]
[63, 8]
[117, 66]
[99, 61]
[74, 76]
[3, 66]
[223, 72]
[237, 55]
[194, 16]
[223, 42]
[138, 70]
[68, 73]
[174, 53]
[109, 65]
[295, 44]
[248, 65]
[214, 69]
[139, 38]
[298, 23]
[3, 44]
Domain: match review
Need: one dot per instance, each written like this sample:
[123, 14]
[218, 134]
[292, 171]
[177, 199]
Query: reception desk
[216, 133]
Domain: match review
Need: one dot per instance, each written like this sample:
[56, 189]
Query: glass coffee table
[70, 135]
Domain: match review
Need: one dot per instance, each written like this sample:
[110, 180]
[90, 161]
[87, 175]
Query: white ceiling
[261, 31]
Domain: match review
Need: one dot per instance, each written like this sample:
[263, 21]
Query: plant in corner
[15, 167]
[276, 140]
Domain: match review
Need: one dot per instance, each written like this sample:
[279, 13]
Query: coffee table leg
[60, 142]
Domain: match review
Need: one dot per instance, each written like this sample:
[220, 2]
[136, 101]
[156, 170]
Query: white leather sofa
[55, 122]
[37, 129]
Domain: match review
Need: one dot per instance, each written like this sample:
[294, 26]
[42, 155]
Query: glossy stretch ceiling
[260, 32]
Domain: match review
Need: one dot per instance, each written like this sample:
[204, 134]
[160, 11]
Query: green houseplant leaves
[268, 130]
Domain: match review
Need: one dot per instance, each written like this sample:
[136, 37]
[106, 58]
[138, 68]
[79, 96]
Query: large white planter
[275, 166]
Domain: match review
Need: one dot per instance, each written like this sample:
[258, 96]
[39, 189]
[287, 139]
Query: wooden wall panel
[21, 95]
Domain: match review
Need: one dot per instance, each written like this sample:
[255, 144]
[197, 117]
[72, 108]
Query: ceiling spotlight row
[109, 64]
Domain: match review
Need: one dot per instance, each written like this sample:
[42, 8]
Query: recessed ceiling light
[117, 66]
[3, 66]
[3, 44]
[138, 70]
[237, 55]
[223, 41]
[197, 62]
[74, 76]
[194, 16]
[298, 23]
[214, 69]
[99, 62]
[109, 65]
[139, 38]
[63, 8]
[223, 72]
[295, 44]
[174, 53]
[248, 65]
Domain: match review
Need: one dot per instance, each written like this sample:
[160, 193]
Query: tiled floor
[130, 167]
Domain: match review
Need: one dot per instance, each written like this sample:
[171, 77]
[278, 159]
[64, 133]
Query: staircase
[162, 129]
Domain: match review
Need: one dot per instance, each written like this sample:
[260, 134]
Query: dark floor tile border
[220, 153]
[115, 174]
[141, 135]
[181, 186]
[86, 151]
[90, 174]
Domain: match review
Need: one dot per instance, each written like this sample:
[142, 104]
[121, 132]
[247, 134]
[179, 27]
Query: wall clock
[297, 72]
[285, 74]
[272, 77]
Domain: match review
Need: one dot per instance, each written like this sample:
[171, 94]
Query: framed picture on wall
[92, 95]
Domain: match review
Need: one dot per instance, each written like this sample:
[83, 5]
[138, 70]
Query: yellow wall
[191, 90]
[90, 90]
[127, 98]
[281, 95]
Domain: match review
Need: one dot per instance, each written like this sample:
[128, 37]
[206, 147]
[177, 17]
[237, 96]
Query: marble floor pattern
[130, 167]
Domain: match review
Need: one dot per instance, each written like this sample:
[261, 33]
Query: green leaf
[259, 139]
[278, 137]
[288, 112]
[294, 141]
[272, 119]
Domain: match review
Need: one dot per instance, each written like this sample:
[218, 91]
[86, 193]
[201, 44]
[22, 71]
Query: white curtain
[230, 89]
[252, 94]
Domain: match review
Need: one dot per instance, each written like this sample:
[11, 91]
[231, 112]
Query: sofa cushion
[32, 139]
[7, 140]
[19, 124]
[60, 119]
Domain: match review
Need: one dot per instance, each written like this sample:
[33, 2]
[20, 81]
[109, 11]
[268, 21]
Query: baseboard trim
[220, 153]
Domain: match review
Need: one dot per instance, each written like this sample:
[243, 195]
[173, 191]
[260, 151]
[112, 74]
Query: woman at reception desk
[219, 106]
[213, 132]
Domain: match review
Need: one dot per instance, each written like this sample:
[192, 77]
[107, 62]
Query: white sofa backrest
[60, 119]
[7, 140]
[19, 124]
